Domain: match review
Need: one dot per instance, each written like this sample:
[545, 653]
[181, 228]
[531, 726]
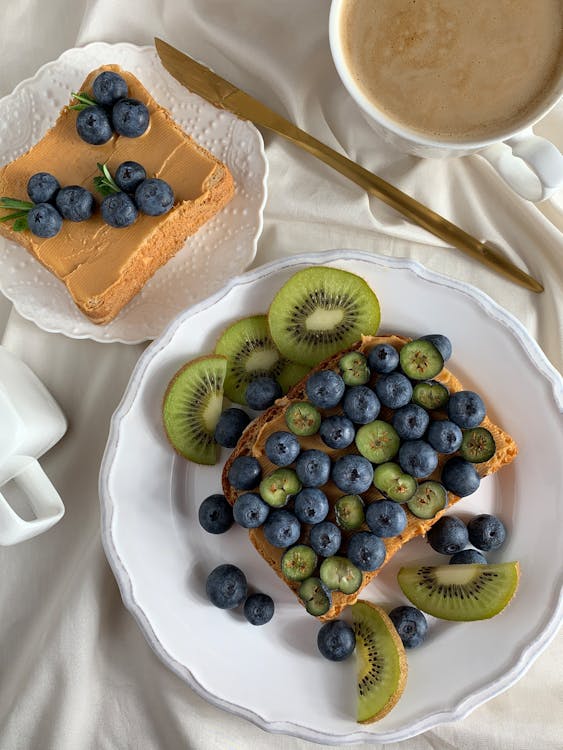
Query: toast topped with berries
[483, 463]
[104, 265]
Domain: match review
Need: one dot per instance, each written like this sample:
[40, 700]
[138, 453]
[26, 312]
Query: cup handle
[45, 501]
[532, 166]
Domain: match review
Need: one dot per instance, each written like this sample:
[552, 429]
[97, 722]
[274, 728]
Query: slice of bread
[254, 437]
[104, 267]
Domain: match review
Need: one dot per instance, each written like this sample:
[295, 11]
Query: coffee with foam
[452, 69]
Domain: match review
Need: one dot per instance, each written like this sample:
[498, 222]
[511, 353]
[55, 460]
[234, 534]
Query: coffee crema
[453, 69]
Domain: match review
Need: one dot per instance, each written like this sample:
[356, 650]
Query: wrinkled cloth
[76, 672]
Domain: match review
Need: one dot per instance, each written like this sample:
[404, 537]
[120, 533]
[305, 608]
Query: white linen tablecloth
[75, 671]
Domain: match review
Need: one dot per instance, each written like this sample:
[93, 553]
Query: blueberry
[383, 358]
[108, 87]
[417, 458]
[261, 393]
[325, 538]
[311, 505]
[393, 390]
[259, 609]
[467, 557]
[281, 528]
[226, 586]
[282, 448]
[250, 511]
[337, 432]
[129, 175]
[460, 477]
[42, 187]
[386, 518]
[336, 640]
[486, 532]
[44, 220]
[130, 117]
[360, 404]
[466, 409]
[118, 210]
[75, 203]
[325, 388]
[245, 473]
[352, 474]
[410, 624]
[410, 422]
[442, 344]
[313, 468]
[448, 535]
[444, 436]
[215, 514]
[93, 125]
[230, 426]
[366, 550]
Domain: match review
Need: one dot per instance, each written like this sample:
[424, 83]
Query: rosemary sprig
[18, 212]
[84, 100]
[104, 183]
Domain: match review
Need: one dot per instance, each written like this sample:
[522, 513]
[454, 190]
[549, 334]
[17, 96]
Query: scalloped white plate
[222, 248]
[273, 675]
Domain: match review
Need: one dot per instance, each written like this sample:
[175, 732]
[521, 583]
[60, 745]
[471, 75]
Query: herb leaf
[104, 183]
[15, 203]
[15, 215]
[84, 101]
[20, 224]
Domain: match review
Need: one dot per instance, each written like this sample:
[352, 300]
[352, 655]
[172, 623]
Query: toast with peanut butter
[104, 267]
[252, 443]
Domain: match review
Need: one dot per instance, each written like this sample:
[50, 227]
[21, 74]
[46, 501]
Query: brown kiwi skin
[403, 665]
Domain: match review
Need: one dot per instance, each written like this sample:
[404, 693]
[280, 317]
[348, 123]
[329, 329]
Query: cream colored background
[76, 673]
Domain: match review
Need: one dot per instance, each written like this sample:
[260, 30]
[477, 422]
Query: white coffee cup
[532, 166]
[31, 422]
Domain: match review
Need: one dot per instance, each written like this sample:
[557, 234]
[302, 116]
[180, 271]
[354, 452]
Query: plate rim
[466, 705]
[142, 49]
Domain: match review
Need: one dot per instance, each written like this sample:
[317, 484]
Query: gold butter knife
[202, 81]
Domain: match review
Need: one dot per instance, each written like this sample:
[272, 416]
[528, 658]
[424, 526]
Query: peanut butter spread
[90, 256]
[253, 442]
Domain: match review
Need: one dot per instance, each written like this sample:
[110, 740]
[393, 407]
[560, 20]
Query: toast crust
[254, 437]
[103, 267]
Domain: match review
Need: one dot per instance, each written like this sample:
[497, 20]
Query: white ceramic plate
[273, 675]
[222, 248]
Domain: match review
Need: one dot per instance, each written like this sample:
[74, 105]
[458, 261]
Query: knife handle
[409, 207]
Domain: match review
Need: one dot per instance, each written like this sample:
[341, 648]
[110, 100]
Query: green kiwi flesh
[460, 592]
[192, 405]
[251, 354]
[320, 311]
[381, 662]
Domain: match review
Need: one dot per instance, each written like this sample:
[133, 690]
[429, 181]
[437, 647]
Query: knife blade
[202, 81]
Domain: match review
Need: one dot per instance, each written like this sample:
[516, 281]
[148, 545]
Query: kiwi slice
[302, 418]
[192, 406]
[377, 441]
[381, 659]
[340, 574]
[252, 354]
[430, 395]
[393, 482]
[320, 311]
[349, 512]
[460, 592]
[478, 445]
[316, 597]
[420, 360]
[429, 498]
